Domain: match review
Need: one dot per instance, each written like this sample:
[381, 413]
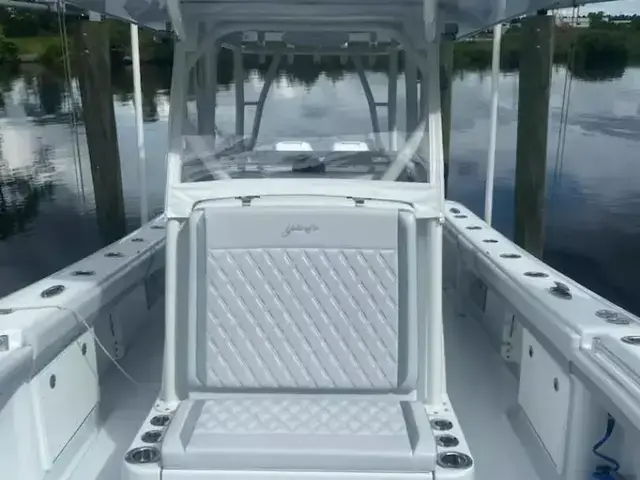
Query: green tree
[8, 53]
[596, 20]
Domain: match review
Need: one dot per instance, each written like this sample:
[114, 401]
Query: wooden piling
[392, 98]
[411, 95]
[446, 79]
[536, 53]
[94, 76]
[238, 76]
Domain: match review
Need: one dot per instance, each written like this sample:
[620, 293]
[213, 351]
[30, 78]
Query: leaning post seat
[302, 348]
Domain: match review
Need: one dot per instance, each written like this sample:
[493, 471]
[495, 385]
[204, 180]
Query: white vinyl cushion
[301, 343]
[310, 303]
[300, 433]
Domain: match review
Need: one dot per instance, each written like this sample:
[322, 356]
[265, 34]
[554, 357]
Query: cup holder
[447, 441]
[142, 455]
[83, 273]
[613, 317]
[536, 274]
[455, 460]
[631, 340]
[151, 436]
[441, 424]
[160, 420]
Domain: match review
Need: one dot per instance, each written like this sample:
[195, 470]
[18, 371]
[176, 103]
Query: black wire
[605, 472]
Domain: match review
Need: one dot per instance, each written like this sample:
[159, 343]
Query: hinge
[358, 201]
[246, 201]
[561, 290]
[116, 334]
[506, 347]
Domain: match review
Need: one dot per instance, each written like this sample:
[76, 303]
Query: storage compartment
[64, 393]
[544, 394]
[18, 458]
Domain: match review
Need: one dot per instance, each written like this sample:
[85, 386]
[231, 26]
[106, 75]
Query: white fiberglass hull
[481, 389]
[514, 351]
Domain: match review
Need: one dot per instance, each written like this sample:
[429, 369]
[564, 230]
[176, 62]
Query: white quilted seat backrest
[302, 300]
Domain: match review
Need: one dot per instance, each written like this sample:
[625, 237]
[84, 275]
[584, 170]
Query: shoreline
[594, 48]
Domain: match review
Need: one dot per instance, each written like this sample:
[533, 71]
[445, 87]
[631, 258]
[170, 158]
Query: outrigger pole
[495, 92]
[137, 104]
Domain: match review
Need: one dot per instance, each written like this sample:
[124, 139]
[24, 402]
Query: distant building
[575, 22]
[620, 21]
[583, 21]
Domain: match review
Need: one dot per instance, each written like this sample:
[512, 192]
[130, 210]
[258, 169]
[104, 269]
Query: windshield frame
[199, 68]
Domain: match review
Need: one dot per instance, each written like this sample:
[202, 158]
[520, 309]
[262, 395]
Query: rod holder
[441, 424]
[142, 455]
[454, 460]
[160, 420]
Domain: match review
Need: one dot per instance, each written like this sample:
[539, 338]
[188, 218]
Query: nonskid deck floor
[480, 386]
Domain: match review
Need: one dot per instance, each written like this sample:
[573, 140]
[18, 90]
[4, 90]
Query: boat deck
[480, 386]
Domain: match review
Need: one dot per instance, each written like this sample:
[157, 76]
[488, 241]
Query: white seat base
[290, 475]
[301, 434]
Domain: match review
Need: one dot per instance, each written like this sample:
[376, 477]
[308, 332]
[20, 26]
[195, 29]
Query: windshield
[280, 115]
[209, 158]
[269, 122]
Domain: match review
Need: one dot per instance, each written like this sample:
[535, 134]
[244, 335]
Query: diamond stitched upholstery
[301, 416]
[285, 325]
[308, 318]
[302, 434]
[319, 310]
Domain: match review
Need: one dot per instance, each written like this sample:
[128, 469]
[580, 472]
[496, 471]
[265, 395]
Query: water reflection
[599, 73]
[592, 220]
[22, 190]
[26, 170]
[47, 206]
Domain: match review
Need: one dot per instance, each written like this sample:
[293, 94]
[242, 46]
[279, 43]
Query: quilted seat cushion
[321, 300]
[299, 433]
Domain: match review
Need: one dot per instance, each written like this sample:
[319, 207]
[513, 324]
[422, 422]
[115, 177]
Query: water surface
[47, 208]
